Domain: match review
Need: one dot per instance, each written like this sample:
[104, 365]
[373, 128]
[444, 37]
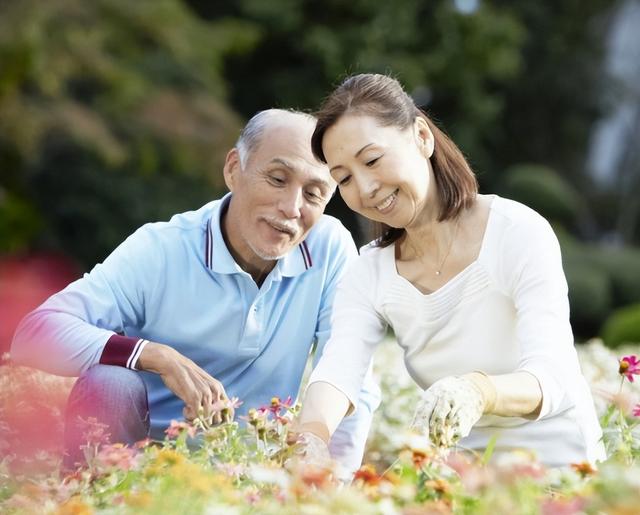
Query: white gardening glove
[313, 450]
[448, 409]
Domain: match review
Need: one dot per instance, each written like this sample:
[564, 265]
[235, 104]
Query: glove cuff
[487, 389]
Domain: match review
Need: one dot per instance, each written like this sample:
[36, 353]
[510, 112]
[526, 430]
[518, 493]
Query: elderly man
[221, 302]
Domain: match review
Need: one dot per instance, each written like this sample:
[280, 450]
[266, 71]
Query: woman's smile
[388, 203]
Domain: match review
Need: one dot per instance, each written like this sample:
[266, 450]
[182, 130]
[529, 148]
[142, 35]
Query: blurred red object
[26, 282]
[31, 402]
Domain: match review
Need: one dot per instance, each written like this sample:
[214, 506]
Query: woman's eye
[372, 162]
[344, 180]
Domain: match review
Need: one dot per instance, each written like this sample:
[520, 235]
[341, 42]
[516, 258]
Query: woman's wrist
[316, 428]
[486, 387]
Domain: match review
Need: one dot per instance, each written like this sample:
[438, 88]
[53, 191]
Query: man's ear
[424, 136]
[231, 168]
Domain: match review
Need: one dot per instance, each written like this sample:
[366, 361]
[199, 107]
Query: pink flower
[226, 407]
[278, 405]
[636, 410]
[94, 432]
[562, 506]
[176, 428]
[118, 456]
[629, 366]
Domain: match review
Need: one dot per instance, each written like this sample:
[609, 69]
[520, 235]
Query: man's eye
[314, 196]
[278, 181]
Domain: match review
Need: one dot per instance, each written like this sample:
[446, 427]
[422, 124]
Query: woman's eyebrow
[357, 154]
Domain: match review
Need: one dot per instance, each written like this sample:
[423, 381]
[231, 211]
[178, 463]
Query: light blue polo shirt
[176, 283]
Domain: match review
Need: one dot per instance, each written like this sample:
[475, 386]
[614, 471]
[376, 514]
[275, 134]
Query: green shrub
[544, 190]
[623, 267]
[623, 326]
[589, 297]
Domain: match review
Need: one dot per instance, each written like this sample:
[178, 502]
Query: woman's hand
[448, 410]
[313, 450]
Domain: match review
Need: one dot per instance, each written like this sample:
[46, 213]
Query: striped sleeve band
[122, 351]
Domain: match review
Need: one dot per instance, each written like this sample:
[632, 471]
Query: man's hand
[193, 385]
[448, 409]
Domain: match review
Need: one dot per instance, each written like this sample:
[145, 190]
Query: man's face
[278, 195]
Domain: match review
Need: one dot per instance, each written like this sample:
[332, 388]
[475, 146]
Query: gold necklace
[455, 233]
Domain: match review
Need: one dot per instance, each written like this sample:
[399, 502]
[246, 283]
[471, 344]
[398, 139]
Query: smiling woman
[472, 285]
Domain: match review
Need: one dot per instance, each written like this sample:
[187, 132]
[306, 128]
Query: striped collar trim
[208, 245]
[218, 258]
[306, 255]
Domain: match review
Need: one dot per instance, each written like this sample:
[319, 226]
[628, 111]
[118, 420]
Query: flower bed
[251, 469]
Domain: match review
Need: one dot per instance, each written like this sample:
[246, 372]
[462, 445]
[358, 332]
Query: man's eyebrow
[357, 154]
[283, 162]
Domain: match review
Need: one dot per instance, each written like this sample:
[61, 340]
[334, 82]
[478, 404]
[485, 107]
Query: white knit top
[507, 311]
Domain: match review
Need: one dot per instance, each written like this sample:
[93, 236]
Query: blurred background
[114, 113]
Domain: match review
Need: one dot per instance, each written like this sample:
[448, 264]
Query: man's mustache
[291, 228]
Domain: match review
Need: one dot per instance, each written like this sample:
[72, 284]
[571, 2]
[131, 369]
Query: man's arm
[84, 325]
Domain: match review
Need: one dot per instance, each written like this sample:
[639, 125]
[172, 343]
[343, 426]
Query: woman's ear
[424, 136]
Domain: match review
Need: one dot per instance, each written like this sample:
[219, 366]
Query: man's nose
[291, 202]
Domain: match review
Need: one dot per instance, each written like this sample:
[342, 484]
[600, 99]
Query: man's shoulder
[184, 222]
[329, 239]
[328, 229]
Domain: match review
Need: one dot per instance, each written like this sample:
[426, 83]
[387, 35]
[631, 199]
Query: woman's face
[383, 173]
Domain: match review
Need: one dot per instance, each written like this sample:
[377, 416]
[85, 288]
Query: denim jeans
[115, 396]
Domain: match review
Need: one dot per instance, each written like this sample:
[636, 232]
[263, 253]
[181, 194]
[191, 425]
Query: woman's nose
[368, 186]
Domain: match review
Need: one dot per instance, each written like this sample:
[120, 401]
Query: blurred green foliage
[115, 113]
[623, 326]
[112, 113]
[544, 190]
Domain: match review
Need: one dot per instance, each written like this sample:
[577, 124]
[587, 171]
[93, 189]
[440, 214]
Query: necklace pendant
[437, 272]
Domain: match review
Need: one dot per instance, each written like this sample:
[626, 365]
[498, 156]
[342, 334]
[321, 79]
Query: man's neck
[256, 267]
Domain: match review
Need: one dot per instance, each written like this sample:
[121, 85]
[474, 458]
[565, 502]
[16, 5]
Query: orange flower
[584, 469]
[368, 475]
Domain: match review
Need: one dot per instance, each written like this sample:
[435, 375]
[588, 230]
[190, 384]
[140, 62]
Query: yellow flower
[74, 506]
[139, 499]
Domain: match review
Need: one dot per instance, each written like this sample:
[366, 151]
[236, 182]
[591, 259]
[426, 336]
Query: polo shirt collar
[218, 258]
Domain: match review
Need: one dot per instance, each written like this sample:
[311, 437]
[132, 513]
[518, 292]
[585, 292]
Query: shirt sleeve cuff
[122, 351]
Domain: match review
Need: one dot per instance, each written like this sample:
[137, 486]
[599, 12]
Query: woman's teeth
[387, 202]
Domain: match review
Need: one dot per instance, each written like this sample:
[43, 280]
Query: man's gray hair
[252, 133]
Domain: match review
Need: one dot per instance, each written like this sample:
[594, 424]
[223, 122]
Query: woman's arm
[508, 395]
[323, 409]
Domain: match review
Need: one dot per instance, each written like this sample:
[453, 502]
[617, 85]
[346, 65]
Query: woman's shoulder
[512, 213]
[519, 232]
[372, 261]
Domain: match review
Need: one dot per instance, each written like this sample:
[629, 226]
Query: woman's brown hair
[383, 98]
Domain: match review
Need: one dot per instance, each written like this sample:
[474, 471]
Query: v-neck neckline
[456, 278]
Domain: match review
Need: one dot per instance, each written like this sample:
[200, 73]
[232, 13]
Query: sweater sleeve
[532, 262]
[356, 329]
[86, 323]
[348, 441]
